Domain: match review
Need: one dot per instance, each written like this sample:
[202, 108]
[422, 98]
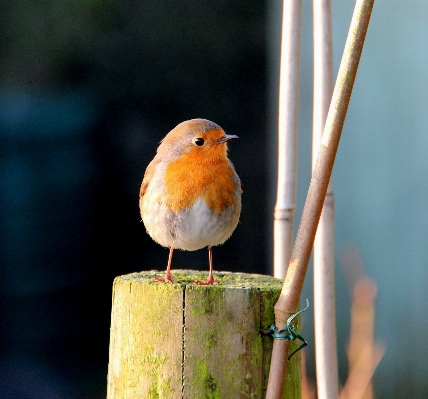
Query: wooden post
[184, 340]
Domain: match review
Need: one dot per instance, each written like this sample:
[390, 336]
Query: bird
[190, 196]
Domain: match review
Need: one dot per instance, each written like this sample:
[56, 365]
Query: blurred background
[88, 88]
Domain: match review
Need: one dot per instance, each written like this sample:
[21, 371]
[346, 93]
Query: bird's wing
[148, 176]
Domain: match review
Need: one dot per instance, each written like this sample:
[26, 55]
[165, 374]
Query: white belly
[190, 229]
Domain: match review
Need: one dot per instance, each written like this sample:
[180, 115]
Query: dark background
[88, 88]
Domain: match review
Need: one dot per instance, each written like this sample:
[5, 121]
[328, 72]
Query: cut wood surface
[183, 340]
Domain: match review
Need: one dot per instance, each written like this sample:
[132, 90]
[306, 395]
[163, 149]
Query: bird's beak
[227, 137]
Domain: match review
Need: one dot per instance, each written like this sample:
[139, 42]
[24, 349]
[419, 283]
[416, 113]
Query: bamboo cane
[288, 113]
[292, 288]
[323, 258]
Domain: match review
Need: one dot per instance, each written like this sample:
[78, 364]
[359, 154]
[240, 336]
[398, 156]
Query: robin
[190, 197]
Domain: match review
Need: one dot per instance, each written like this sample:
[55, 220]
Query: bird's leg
[168, 275]
[210, 280]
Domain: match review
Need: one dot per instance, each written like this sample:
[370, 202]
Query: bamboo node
[283, 213]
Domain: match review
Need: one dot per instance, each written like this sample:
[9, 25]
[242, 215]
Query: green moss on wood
[205, 379]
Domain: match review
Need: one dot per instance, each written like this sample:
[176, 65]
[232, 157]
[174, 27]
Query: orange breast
[193, 176]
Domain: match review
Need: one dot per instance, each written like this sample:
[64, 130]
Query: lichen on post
[183, 340]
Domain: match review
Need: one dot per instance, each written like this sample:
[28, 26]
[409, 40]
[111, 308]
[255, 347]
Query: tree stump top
[225, 279]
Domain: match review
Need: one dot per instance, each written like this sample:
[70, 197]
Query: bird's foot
[167, 279]
[209, 281]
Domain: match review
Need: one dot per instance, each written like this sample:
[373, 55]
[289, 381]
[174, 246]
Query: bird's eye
[199, 141]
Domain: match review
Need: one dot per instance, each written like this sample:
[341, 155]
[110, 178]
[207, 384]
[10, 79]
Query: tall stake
[288, 114]
[324, 301]
[292, 288]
